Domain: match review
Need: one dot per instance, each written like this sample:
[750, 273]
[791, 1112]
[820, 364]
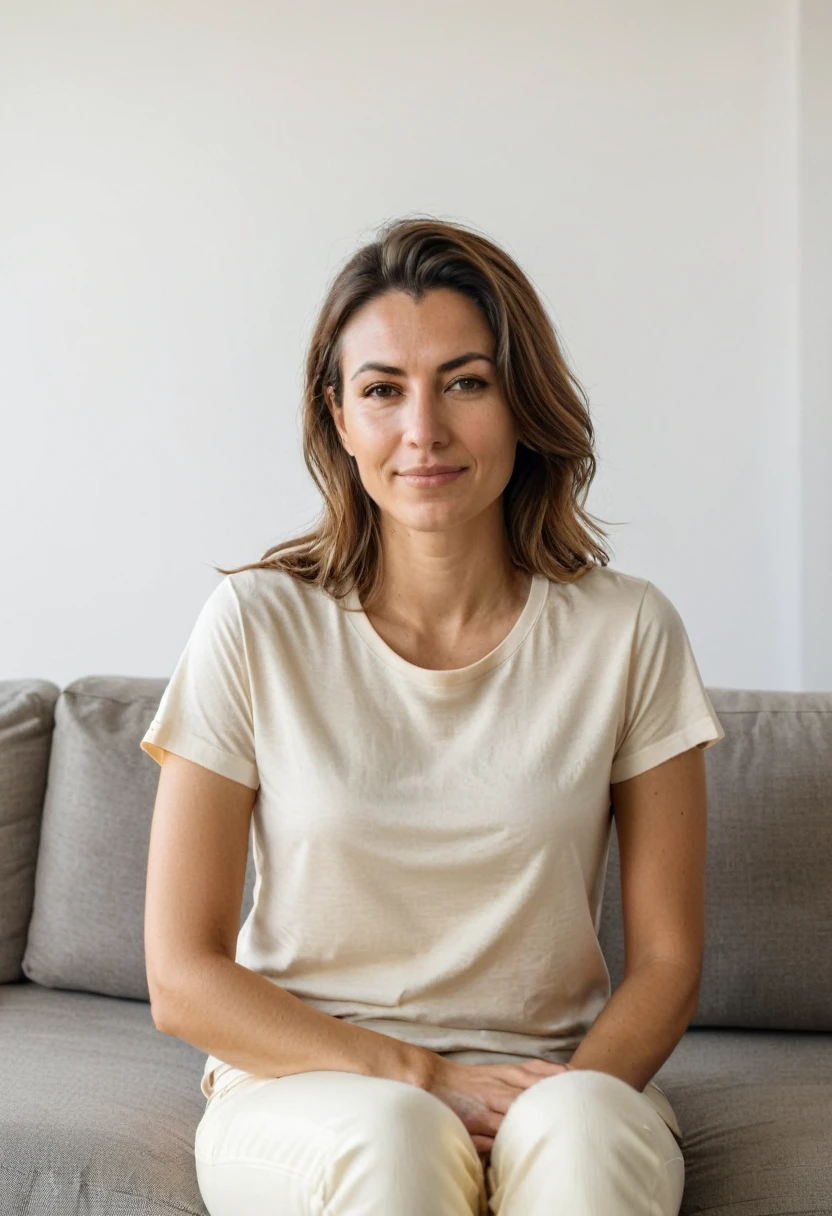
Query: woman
[428, 709]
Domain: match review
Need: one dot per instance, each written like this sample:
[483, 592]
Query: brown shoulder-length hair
[547, 527]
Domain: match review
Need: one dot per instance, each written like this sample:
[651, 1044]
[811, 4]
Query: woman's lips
[435, 479]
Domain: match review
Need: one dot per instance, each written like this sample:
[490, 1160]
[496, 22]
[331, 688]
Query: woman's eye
[474, 381]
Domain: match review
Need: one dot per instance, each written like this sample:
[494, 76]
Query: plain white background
[180, 182]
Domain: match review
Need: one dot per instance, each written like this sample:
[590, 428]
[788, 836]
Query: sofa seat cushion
[755, 1108]
[99, 1108]
[100, 1111]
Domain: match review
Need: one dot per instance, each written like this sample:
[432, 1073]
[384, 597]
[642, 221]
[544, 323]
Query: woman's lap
[343, 1144]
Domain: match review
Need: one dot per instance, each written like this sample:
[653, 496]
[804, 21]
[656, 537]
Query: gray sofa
[99, 1108]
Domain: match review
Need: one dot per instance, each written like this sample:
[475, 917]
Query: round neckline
[535, 600]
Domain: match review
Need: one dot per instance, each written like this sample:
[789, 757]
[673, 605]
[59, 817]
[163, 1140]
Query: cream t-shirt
[431, 846]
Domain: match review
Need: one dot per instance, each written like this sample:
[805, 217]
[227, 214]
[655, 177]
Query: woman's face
[414, 413]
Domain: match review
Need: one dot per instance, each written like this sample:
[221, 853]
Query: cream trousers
[328, 1143]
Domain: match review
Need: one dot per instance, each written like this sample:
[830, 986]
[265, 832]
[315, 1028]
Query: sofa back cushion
[26, 716]
[87, 926]
[768, 901]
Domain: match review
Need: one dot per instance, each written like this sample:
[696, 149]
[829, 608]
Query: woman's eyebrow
[469, 357]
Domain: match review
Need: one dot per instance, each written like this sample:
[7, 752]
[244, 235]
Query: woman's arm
[660, 820]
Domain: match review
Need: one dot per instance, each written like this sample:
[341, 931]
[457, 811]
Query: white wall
[816, 337]
[181, 180]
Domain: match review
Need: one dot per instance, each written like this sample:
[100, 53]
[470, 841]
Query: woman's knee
[570, 1102]
[399, 1112]
[341, 1133]
[585, 1137]
[414, 1144]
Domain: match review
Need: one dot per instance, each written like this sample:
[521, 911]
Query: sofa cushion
[87, 926]
[26, 716]
[755, 1108]
[100, 1112]
[99, 1108]
[768, 902]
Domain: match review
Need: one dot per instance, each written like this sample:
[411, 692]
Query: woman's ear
[337, 415]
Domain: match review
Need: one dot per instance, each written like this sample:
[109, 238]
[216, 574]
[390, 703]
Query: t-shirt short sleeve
[205, 713]
[667, 710]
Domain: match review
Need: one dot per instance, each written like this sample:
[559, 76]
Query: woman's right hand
[482, 1093]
